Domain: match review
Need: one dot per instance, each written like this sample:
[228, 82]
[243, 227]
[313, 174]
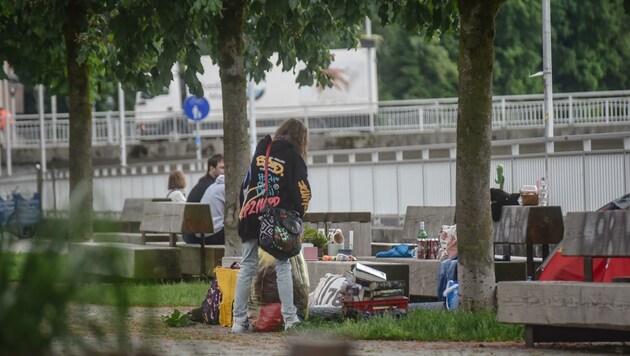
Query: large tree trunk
[232, 73]
[474, 130]
[80, 128]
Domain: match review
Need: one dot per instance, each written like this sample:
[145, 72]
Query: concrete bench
[123, 260]
[190, 257]
[177, 218]
[318, 269]
[575, 311]
[423, 274]
[358, 222]
[130, 220]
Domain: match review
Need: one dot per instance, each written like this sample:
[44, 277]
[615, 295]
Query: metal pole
[252, 117]
[547, 74]
[198, 140]
[42, 128]
[4, 104]
[53, 111]
[6, 132]
[10, 129]
[368, 34]
[123, 136]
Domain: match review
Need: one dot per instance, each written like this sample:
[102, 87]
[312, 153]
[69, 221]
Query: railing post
[93, 126]
[110, 130]
[421, 118]
[371, 122]
[53, 109]
[570, 110]
[503, 113]
[123, 136]
[606, 111]
[42, 127]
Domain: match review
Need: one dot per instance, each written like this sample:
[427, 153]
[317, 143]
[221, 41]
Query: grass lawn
[424, 325]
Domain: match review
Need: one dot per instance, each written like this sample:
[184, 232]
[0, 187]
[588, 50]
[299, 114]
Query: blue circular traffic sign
[196, 108]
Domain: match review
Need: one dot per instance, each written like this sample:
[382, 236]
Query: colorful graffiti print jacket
[288, 185]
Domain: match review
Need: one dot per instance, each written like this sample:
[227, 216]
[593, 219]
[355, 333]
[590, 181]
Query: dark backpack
[210, 305]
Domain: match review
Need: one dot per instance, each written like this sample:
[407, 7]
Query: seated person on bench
[448, 258]
[215, 196]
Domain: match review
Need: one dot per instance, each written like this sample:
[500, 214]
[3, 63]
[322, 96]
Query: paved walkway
[151, 336]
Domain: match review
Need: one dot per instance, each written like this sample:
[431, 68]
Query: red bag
[269, 318]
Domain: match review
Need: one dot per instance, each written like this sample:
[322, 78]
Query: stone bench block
[318, 269]
[127, 260]
[423, 274]
[190, 258]
[563, 303]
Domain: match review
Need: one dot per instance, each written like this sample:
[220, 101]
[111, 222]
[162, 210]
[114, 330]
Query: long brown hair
[176, 180]
[294, 131]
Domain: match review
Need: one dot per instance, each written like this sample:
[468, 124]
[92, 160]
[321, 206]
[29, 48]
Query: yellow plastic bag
[226, 278]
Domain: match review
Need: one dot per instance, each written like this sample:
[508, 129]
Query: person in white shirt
[177, 187]
[215, 196]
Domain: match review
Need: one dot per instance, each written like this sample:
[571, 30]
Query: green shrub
[317, 238]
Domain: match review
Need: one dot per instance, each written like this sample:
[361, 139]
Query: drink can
[433, 247]
[421, 249]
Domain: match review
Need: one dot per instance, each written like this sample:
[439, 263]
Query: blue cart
[20, 215]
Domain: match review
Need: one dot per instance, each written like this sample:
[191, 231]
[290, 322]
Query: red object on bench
[375, 306]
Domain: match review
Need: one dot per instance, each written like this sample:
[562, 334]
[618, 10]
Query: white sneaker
[292, 322]
[240, 325]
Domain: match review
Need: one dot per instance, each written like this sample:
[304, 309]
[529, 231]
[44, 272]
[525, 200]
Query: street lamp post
[548, 111]
[546, 73]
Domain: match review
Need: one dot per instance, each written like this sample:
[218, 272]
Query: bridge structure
[587, 109]
[585, 170]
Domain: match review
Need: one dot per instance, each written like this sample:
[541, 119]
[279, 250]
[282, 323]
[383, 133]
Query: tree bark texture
[80, 118]
[236, 141]
[475, 265]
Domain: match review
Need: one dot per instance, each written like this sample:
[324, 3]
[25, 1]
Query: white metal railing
[521, 111]
[384, 180]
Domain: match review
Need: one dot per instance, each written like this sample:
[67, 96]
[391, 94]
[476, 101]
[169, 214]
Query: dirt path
[149, 335]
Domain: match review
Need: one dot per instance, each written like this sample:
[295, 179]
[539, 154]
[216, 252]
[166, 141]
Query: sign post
[197, 109]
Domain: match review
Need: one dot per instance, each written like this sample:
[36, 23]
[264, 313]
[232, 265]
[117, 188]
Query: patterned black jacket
[288, 184]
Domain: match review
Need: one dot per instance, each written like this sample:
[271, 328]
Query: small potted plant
[314, 239]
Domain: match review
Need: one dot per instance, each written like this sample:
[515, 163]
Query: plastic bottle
[421, 246]
[451, 295]
[543, 193]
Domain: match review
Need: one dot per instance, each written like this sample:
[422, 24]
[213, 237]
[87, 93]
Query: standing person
[215, 196]
[289, 189]
[177, 186]
[216, 167]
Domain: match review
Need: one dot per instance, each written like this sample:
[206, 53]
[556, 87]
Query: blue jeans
[249, 267]
[448, 271]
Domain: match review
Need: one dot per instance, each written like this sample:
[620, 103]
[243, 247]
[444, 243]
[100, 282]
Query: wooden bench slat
[529, 224]
[176, 218]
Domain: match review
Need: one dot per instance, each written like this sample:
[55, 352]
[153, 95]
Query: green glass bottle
[421, 246]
